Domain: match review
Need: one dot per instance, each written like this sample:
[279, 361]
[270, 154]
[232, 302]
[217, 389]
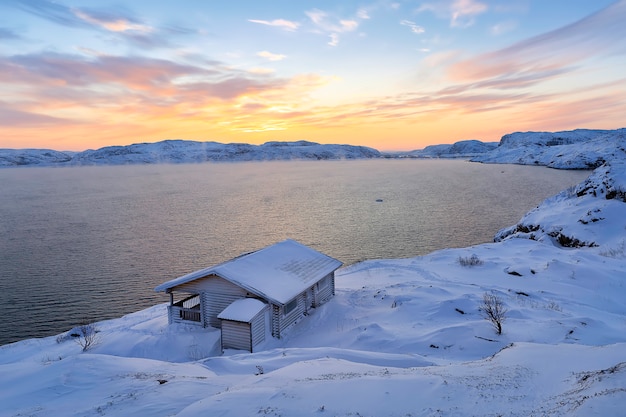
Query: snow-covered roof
[277, 273]
[242, 310]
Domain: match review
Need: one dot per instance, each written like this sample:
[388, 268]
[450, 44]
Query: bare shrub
[86, 335]
[617, 252]
[493, 309]
[473, 260]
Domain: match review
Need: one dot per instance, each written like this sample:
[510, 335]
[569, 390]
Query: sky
[393, 75]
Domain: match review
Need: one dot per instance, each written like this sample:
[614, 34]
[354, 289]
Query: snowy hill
[461, 149]
[401, 337]
[184, 151]
[40, 157]
[588, 215]
[576, 149]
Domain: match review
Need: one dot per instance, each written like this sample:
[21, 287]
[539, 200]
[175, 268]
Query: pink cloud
[279, 23]
[558, 50]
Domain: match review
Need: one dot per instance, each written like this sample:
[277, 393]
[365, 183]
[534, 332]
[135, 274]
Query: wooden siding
[275, 320]
[216, 294]
[236, 335]
[258, 328]
[324, 289]
[282, 321]
[244, 336]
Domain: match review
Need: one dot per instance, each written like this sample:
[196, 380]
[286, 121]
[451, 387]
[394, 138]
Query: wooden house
[256, 294]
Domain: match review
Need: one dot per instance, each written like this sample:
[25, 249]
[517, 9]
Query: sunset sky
[393, 75]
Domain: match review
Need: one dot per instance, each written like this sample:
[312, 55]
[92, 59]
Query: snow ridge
[463, 149]
[576, 149]
[185, 151]
[592, 214]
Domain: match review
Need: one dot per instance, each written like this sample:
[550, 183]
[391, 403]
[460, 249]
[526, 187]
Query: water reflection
[93, 242]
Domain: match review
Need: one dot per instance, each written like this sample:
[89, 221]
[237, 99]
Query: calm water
[92, 243]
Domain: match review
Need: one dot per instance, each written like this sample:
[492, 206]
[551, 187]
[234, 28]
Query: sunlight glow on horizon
[79, 74]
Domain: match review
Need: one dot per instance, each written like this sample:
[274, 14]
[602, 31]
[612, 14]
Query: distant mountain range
[577, 149]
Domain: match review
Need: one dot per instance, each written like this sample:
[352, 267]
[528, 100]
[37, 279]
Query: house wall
[216, 294]
[259, 328]
[236, 335]
[281, 321]
[324, 289]
[244, 336]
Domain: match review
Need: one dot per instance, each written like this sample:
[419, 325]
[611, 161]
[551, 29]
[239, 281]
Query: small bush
[86, 335]
[473, 260]
[493, 310]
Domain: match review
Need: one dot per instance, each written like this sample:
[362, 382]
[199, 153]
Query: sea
[84, 244]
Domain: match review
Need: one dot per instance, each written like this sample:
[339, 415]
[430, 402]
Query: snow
[243, 310]
[577, 149]
[184, 151]
[401, 337]
[278, 273]
[461, 149]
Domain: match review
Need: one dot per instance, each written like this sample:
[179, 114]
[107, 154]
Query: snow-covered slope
[401, 337]
[576, 149]
[36, 157]
[184, 151]
[590, 214]
[461, 149]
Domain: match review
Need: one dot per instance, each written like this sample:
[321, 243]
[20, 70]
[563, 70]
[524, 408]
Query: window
[291, 306]
[323, 283]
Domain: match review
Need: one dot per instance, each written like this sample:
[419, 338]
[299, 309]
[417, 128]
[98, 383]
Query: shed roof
[244, 310]
[277, 273]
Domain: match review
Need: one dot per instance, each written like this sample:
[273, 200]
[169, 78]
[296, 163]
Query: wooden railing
[187, 310]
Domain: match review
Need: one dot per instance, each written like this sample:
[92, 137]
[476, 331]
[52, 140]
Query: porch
[186, 311]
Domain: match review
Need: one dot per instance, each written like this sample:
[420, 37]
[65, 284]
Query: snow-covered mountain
[576, 149]
[184, 151]
[401, 337]
[33, 157]
[462, 149]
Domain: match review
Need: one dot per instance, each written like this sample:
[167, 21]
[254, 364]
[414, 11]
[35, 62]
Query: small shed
[288, 278]
[243, 324]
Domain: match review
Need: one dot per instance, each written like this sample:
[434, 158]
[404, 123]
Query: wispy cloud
[8, 34]
[330, 24]
[279, 23]
[111, 22]
[52, 89]
[10, 116]
[596, 35]
[464, 12]
[363, 14]
[51, 11]
[415, 28]
[119, 22]
[460, 13]
[333, 26]
[271, 56]
[503, 27]
[74, 70]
